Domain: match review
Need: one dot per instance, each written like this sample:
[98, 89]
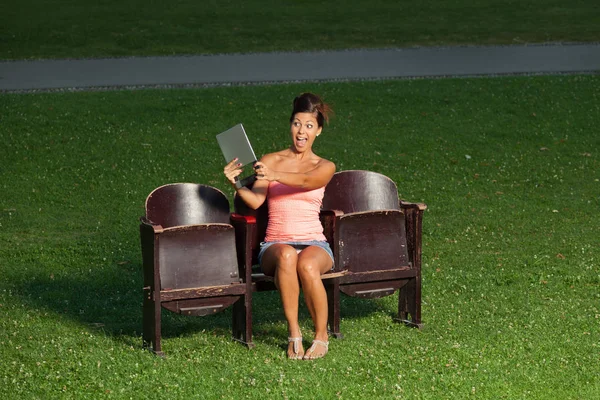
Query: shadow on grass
[110, 299]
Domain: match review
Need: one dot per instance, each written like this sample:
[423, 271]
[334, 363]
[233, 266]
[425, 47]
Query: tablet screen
[234, 143]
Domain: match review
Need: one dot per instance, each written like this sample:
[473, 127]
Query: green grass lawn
[509, 168]
[31, 29]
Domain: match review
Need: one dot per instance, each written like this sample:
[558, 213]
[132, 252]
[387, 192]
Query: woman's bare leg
[280, 261]
[312, 263]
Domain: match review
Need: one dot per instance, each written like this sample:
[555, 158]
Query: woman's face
[304, 129]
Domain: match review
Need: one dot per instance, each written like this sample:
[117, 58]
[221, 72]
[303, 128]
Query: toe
[317, 350]
[292, 355]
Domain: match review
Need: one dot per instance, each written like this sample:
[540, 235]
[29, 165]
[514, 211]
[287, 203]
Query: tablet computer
[234, 143]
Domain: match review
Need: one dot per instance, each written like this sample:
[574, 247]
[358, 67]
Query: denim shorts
[299, 246]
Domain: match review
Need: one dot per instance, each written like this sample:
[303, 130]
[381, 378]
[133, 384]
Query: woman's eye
[309, 126]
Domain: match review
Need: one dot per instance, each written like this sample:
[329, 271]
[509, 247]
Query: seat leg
[242, 320]
[409, 303]
[333, 304]
[151, 323]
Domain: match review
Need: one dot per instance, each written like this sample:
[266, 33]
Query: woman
[295, 250]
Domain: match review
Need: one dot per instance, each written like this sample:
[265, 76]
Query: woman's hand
[232, 170]
[254, 197]
[263, 172]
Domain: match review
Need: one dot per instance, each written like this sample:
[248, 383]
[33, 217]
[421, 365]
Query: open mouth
[301, 142]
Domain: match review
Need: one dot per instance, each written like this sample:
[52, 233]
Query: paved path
[292, 67]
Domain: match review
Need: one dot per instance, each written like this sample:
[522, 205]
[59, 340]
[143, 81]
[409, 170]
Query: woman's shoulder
[323, 161]
[328, 168]
[272, 157]
[320, 162]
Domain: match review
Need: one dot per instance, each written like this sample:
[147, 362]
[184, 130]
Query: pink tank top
[294, 213]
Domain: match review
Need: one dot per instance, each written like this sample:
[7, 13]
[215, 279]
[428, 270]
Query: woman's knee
[287, 254]
[285, 257]
[279, 257]
[313, 262]
[308, 268]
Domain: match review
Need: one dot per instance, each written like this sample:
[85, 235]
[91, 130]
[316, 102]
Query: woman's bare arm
[314, 178]
[254, 197]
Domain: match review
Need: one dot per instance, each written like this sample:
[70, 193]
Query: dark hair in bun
[311, 103]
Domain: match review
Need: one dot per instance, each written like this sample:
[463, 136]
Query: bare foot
[318, 349]
[295, 350]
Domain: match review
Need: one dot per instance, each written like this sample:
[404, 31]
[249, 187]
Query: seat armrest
[145, 222]
[414, 230]
[242, 219]
[335, 213]
[328, 218]
[245, 229]
[246, 241]
[409, 205]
